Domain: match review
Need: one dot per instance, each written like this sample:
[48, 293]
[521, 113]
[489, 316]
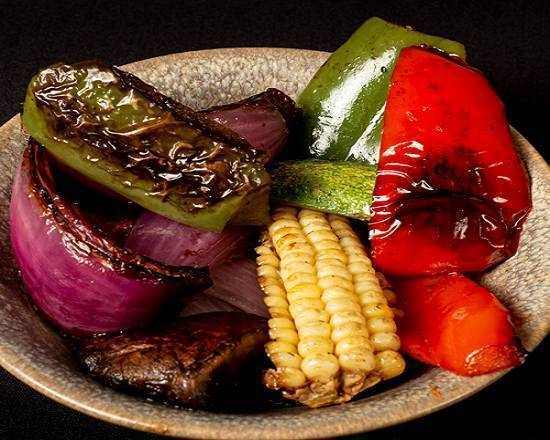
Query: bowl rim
[211, 427]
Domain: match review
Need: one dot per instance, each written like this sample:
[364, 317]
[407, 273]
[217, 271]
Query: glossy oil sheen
[450, 321]
[118, 132]
[343, 104]
[451, 193]
[35, 354]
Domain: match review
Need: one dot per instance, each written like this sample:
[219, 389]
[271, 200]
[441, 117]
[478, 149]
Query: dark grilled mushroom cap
[197, 361]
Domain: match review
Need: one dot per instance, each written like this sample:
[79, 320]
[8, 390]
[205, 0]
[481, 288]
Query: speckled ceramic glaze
[34, 353]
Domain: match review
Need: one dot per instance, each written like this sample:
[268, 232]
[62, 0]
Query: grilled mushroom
[199, 361]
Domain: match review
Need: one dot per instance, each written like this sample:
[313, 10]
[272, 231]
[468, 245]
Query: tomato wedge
[451, 193]
[451, 322]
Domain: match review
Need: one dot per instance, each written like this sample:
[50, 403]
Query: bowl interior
[36, 354]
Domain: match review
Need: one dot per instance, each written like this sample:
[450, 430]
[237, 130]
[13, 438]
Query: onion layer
[203, 303]
[80, 279]
[235, 289]
[236, 283]
[176, 244]
[264, 120]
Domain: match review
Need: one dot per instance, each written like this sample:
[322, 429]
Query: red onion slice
[236, 283]
[203, 303]
[235, 288]
[264, 120]
[176, 244]
[80, 279]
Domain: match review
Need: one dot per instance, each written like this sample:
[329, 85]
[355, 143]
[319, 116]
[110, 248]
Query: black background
[508, 41]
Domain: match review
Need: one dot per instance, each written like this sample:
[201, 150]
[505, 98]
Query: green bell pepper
[343, 105]
[116, 131]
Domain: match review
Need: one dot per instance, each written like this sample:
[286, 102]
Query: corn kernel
[332, 330]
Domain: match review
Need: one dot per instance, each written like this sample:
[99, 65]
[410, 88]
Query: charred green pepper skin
[343, 105]
[118, 132]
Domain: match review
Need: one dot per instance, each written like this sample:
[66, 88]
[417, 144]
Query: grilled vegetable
[71, 260]
[331, 328]
[235, 282]
[451, 322]
[343, 188]
[449, 176]
[264, 120]
[198, 361]
[343, 104]
[120, 133]
[172, 243]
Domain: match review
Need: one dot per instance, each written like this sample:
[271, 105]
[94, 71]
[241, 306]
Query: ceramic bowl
[34, 353]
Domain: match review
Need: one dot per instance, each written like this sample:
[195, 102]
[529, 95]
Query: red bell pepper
[451, 322]
[451, 192]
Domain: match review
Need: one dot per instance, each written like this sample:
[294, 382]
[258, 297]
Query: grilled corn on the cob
[331, 328]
